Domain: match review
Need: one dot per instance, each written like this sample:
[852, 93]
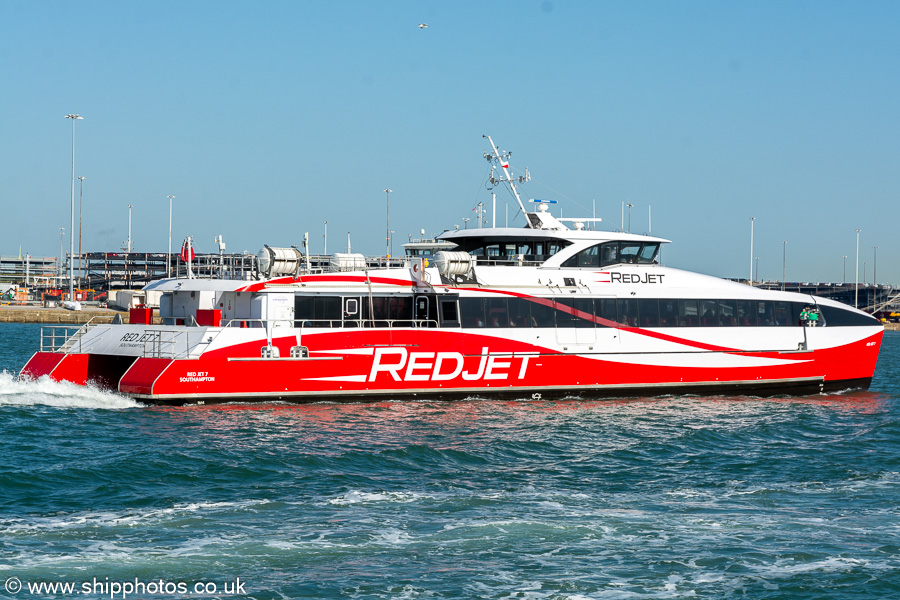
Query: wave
[46, 392]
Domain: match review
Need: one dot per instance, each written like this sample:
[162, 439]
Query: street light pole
[80, 205]
[59, 262]
[757, 268]
[875, 277]
[751, 249]
[325, 237]
[128, 250]
[856, 294]
[783, 262]
[629, 205]
[845, 269]
[169, 253]
[387, 229]
[74, 118]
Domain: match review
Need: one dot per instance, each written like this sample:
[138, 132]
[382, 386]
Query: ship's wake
[46, 392]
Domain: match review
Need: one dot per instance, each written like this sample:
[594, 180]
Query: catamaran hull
[438, 364]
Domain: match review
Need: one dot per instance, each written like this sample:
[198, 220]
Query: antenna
[502, 159]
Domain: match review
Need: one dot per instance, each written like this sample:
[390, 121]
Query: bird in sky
[423, 25]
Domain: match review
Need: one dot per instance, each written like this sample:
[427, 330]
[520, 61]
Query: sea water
[674, 497]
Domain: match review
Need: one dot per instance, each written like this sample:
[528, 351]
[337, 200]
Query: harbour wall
[60, 316]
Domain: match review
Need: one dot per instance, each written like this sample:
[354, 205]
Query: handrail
[163, 343]
[62, 338]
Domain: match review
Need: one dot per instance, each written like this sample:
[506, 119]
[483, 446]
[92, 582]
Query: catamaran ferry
[553, 309]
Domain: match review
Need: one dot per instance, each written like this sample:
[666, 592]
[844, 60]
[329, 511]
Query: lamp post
[387, 229]
[59, 262]
[757, 269]
[392, 232]
[128, 249]
[80, 205]
[74, 118]
[875, 277]
[845, 269]
[783, 262]
[629, 205]
[325, 237]
[751, 249]
[856, 293]
[169, 253]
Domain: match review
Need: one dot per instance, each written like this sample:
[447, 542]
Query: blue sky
[265, 119]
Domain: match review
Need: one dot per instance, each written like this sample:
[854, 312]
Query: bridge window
[613, 253]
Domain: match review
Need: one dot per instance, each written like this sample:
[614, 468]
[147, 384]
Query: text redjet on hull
[547, 310]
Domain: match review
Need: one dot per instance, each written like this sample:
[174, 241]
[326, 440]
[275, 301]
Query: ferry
[554, 309]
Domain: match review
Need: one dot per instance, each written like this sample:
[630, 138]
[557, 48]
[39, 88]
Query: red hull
[372, 364]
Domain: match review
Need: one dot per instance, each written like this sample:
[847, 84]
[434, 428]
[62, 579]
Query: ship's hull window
[607, 309]
[519, 312]
[628, 312]
[565, 316]
[727, 313]
[649, 310]
[840, 317]
[765, 313]
[746, 313]
[471, 312]
[449, 312]
[542, 315]
[668, 313]
[688, 313]
[708, 311]
[497, 312]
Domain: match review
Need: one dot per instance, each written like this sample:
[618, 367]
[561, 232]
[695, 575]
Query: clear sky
[265, 119]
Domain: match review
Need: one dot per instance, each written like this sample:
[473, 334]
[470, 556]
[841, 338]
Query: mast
[503, 161]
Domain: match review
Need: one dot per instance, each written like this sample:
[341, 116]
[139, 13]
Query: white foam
[790, 567]
[128, 518]
[46, 392]
[355, 497]
[393, 537]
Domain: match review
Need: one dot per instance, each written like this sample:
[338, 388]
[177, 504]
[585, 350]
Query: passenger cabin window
[614, 253]
[512, 312]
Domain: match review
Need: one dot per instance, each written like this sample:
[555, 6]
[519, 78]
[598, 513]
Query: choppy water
[659, 498]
